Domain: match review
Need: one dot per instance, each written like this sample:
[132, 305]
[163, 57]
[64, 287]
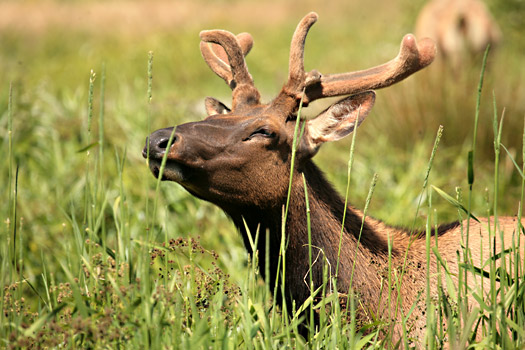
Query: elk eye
[261, 132]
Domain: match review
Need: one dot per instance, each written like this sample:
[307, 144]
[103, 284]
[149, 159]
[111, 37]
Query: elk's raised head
[242, 156]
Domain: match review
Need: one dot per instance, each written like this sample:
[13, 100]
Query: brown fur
[241, 160]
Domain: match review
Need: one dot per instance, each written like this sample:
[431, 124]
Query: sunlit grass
[85, 260]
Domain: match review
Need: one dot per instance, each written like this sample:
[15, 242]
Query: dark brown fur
[241, 159]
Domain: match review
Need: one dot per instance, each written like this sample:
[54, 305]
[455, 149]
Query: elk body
[461, 28]
[240, 160]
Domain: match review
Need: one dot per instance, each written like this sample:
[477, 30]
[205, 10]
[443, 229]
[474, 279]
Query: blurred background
[48, 49]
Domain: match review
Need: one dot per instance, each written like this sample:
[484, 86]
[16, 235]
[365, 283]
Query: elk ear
[214, 106]
[339, 120]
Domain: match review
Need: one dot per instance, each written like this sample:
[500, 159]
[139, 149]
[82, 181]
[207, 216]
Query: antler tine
[236, 75]
[245, 42]
[296, 74]
[231, 45]
[411, 58]
[217, 59]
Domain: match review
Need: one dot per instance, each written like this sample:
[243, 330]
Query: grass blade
[453, 201]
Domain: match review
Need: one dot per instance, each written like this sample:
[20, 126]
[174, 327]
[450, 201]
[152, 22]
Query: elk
[240, 159]
[461, 28]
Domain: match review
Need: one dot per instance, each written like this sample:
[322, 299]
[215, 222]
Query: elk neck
[364, 249]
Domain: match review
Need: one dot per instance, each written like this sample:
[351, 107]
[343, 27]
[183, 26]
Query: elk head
[242, 157]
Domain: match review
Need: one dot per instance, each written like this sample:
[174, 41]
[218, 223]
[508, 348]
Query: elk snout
[158, 143]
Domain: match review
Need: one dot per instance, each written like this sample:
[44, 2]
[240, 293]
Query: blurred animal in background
[462, 29]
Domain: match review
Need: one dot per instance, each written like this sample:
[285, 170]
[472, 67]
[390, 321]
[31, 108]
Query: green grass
[90, 254]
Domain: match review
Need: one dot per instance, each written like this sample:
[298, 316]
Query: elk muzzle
[155, 150]
[158, 143]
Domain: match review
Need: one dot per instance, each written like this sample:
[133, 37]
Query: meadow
[96, 253]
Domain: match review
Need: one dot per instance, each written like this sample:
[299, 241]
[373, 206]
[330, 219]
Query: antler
[411, 58]
[224, 53]
[296, 74]
[217, 59]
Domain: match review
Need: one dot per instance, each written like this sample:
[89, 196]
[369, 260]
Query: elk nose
[158, 143]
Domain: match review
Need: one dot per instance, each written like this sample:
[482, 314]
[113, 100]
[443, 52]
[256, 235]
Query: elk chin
[173, 171]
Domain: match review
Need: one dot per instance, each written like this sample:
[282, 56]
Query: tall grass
[152, 291]
[90, 254]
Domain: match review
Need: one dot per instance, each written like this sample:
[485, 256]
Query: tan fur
[461, 28]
